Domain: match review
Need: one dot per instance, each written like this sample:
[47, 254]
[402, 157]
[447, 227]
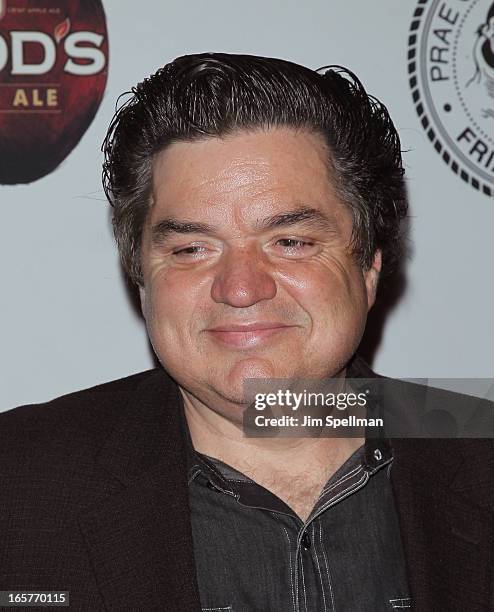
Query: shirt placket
[312, 563]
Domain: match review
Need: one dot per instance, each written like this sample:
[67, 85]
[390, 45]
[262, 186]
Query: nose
[242, 278]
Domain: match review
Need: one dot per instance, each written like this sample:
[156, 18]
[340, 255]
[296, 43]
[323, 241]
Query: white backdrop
[66, 322]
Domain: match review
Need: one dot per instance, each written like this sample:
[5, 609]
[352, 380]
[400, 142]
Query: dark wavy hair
[216, 94]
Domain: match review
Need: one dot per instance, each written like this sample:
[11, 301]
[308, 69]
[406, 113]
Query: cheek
[171, 309]
[326, 292]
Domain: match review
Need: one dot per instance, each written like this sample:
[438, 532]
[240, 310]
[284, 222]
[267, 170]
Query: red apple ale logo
[53, 69]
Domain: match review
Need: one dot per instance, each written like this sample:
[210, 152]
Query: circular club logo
[53, 69]
[451, 70]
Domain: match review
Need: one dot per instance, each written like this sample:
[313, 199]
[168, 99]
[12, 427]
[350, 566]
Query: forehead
[243, 174]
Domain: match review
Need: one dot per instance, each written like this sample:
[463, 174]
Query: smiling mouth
[247, 336]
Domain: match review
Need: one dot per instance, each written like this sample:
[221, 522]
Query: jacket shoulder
[83, 417]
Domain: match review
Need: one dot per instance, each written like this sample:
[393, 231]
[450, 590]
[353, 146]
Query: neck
[216, 435]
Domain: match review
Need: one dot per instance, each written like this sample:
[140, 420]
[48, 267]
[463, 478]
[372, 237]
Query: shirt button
[378, 455]
[305, 541]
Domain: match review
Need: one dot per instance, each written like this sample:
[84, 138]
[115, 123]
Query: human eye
[294, 242]
[295, 246]
[193, 251]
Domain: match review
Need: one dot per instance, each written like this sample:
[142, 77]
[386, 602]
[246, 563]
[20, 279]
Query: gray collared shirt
[254, 554]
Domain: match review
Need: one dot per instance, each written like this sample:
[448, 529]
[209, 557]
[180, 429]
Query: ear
[142, 296]
[371, 277]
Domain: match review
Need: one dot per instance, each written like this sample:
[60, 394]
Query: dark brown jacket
[94, 501]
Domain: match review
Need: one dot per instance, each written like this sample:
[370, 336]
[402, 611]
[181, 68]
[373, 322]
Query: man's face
[246, 264]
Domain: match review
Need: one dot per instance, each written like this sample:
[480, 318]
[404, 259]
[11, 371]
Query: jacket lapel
[445, 502]
[139, 538]
[447, 532]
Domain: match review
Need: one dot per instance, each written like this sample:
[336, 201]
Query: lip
[248, 327]
[247, 335]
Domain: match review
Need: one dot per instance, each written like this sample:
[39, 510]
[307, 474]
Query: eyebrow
[306, 216]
